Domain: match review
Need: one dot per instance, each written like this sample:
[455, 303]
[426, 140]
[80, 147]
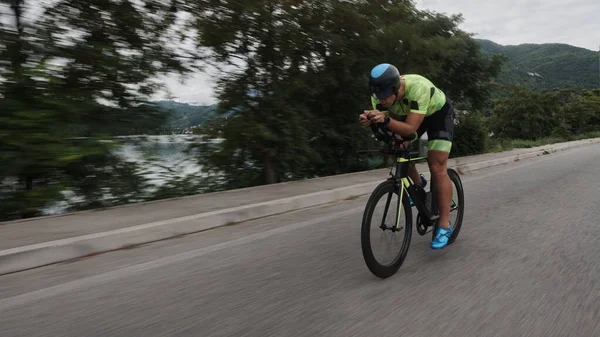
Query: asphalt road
[527, 263]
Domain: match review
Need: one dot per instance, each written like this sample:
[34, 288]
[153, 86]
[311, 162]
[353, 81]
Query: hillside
[546, 66]
[183, 115]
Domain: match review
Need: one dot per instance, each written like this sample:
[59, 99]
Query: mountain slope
[546, 66]
[183, 115]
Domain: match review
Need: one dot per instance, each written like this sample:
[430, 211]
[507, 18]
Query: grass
[499, 145]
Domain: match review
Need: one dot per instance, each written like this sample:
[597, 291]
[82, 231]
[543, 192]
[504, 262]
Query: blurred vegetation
[528, 118]
[292, 85]
[303, 80]
[70, 77]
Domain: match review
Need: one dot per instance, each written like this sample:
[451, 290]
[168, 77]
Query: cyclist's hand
[364, 119]
[400, 143]
[375, 116]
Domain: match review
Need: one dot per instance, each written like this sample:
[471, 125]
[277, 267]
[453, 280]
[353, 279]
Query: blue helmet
[384, 81]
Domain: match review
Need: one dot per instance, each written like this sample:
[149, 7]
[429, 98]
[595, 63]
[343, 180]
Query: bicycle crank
[422, 227]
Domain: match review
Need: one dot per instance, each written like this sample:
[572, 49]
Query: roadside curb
[535, 152]
[38, 255]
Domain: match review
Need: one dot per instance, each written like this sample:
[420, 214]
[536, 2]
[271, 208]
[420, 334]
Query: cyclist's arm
[410, 136]
[418, 109]
[407, 128]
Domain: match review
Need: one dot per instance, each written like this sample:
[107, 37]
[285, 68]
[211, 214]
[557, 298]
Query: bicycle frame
[403, 183]
[403, 159]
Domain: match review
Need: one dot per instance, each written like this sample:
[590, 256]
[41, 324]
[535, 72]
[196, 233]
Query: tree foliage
[69, 77]
[301, 72]
[470, 135]
[532, 115]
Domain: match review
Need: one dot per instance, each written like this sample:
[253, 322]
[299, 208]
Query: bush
[470, 135]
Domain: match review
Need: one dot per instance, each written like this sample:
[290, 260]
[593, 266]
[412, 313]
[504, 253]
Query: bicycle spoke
[387, 207]
[454, 205]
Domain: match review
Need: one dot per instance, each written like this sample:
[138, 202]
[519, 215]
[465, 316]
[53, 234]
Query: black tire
[384, 190]
[455, 179]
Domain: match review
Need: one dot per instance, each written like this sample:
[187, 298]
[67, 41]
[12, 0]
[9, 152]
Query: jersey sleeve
[420, 102]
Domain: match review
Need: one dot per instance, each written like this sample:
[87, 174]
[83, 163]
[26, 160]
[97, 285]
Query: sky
[575, 22]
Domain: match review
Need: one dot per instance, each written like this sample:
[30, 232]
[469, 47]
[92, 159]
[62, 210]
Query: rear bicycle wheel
[387, 191]
[457, 206]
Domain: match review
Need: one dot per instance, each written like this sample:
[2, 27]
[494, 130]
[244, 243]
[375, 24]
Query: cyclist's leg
[443, 186]
[413, 173]
[440, 143]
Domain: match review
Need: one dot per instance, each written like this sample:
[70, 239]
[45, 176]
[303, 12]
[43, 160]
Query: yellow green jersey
[420, 96]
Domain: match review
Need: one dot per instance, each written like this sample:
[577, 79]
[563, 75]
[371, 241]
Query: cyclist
[416, 106]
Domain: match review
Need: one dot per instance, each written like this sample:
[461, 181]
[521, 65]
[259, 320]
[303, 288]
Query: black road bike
[400, 187]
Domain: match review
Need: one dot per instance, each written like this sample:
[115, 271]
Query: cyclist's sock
[441, 239]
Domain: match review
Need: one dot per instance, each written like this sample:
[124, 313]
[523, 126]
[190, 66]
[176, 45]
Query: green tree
[532, 115]
[525, 115]
[266, 139]
[71, 77]
[470, 135]
[582, 113]
[303, 75]
[434, 46]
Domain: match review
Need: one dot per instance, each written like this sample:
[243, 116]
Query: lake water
[161, 158]
[165, 152]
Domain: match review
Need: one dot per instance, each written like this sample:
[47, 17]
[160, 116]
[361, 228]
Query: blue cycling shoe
[441, 239]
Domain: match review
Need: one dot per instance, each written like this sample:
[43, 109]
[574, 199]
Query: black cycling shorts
[439, 127]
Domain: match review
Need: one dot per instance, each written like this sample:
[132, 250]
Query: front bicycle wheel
[386, 228]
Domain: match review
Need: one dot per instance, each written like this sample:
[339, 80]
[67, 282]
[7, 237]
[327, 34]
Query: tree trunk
[29, 183]
[386, 161]
[28, 208]
[270, 170]
[16, 55]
